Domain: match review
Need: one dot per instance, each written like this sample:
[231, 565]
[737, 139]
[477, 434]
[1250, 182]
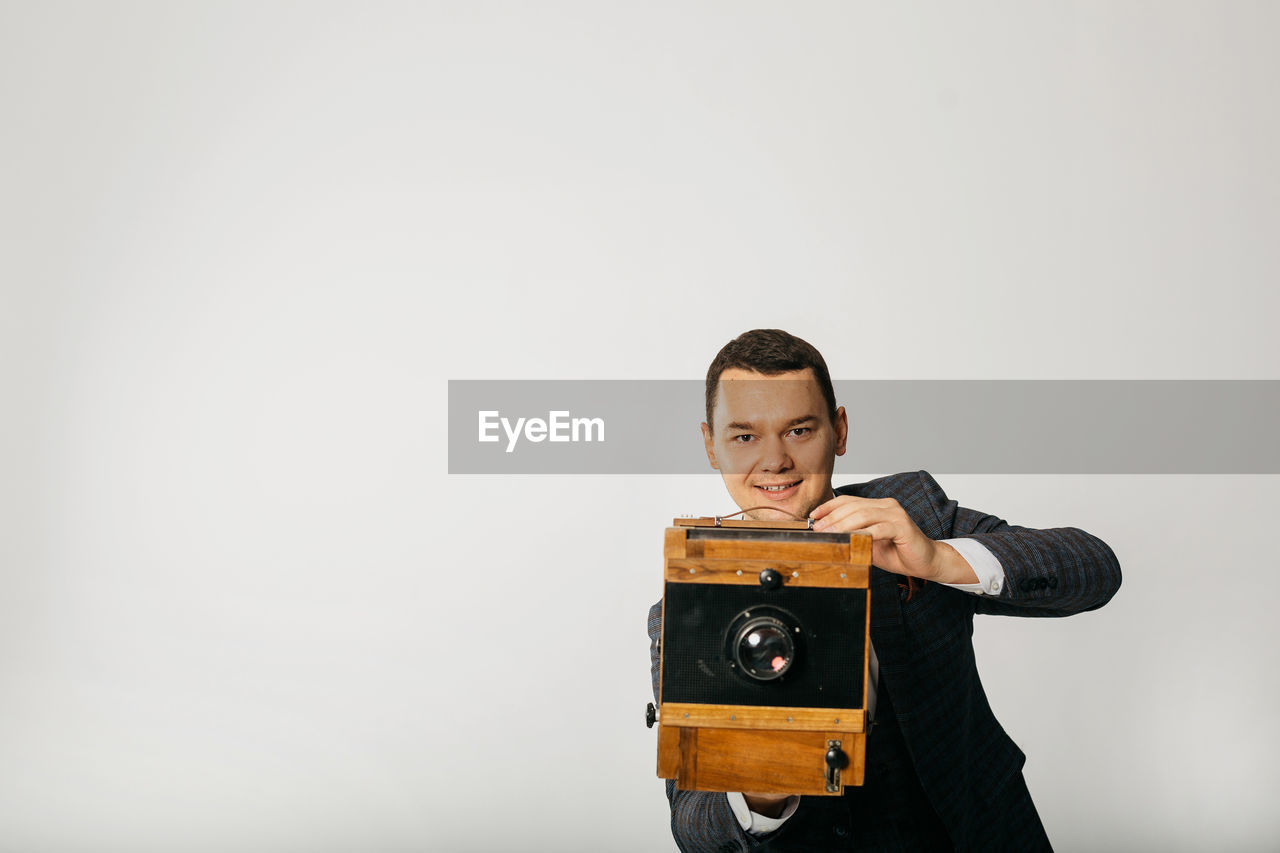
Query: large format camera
[763, 657]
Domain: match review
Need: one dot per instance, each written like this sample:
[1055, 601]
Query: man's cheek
[734, 464]
[809, 463]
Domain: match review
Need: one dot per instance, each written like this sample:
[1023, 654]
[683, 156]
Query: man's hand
[769, 805]
[897, 545]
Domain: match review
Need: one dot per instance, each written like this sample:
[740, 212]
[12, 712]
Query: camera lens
[764, 649]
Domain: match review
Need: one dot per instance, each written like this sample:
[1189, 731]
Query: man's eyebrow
[794, 422]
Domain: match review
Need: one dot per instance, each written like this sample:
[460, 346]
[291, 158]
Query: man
[941, 772]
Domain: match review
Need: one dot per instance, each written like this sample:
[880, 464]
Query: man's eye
[742, 439]
[802, 430]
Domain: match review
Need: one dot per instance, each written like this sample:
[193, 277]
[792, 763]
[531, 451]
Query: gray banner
[944, 426]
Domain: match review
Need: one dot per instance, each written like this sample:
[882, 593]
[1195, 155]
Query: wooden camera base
[760, 761]
[751, 746]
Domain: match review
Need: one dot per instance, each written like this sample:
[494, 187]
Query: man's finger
[882, 531]
[851, 518]
[822, 509]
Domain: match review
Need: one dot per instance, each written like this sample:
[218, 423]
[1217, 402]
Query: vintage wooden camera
[763, 657]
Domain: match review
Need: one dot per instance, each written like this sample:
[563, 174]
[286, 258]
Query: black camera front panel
[702, 623]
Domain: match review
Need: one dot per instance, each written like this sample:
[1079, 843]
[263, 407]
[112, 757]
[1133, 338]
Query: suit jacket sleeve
[1052, 572]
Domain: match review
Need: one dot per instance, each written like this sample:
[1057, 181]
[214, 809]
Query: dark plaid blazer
[969, 768]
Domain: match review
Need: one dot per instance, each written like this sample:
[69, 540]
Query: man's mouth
[778, 491]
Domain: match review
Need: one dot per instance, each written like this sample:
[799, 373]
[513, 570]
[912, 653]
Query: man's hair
[770, 352]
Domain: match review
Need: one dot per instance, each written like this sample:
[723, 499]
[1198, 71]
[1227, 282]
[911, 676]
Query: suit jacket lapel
[887, 634]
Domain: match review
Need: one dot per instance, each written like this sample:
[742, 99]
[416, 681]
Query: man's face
[774, 442]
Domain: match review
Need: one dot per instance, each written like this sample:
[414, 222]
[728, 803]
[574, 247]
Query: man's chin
[778, 513]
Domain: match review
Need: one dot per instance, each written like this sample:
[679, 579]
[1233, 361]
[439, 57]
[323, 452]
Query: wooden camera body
[763, 657]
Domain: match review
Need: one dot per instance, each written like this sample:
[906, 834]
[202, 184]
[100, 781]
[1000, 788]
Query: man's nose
[775, 457]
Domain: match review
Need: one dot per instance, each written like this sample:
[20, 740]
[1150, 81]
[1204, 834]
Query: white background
[244, 246]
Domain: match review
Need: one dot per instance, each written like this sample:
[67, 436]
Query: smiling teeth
[777, 488]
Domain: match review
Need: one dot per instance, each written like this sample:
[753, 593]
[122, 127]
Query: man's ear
[842, 430]
[709, 443]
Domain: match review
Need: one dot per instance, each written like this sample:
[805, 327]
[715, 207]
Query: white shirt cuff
[984, 564]
[758, 824]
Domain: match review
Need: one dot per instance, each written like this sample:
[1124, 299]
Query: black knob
[836, 759]
[650, 715]
[770, 579]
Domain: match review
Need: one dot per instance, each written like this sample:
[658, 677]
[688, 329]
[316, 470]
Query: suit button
[840, 831]
[1053, 581]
